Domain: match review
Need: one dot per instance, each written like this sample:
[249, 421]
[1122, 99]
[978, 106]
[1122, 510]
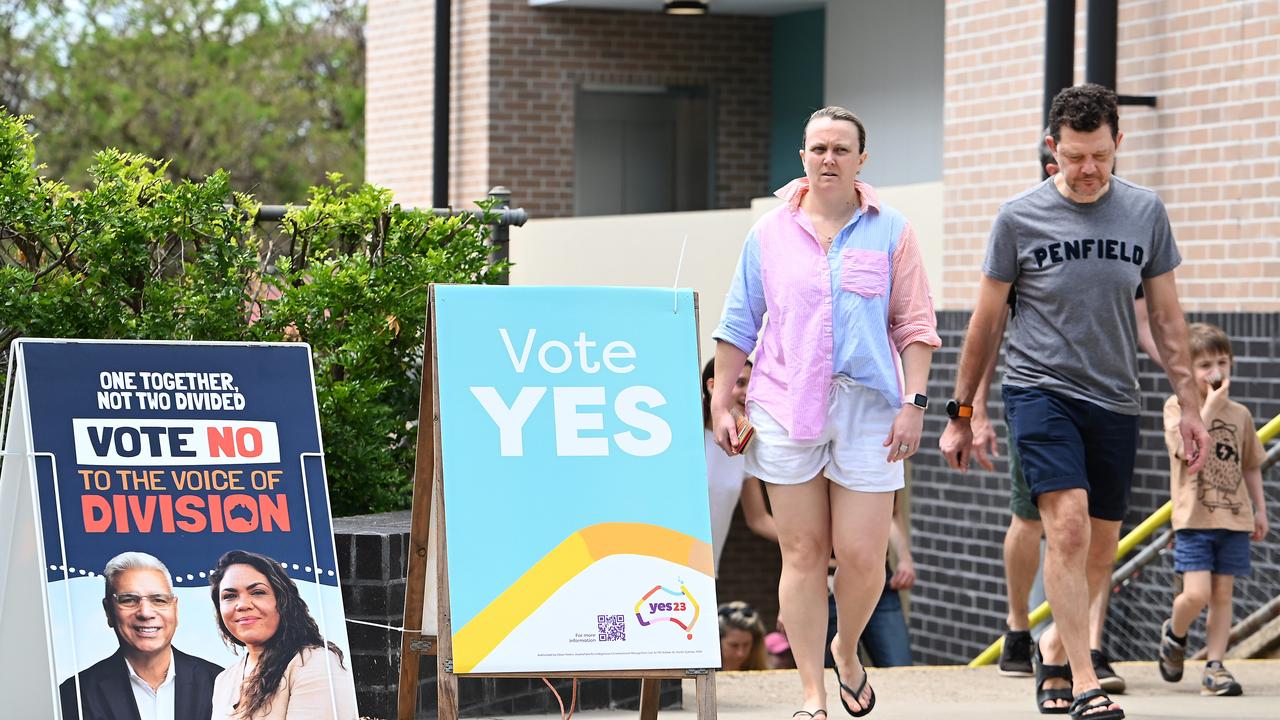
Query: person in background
[727, 480]
[1216, 512]
[741, 637]
[780, 657]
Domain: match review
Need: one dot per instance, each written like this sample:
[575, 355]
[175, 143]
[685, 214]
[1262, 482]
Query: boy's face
[1210, 370]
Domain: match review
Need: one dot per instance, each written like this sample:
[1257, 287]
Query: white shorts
[850, 451]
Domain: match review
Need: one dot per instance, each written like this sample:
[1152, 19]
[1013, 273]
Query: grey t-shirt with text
[1075, 268]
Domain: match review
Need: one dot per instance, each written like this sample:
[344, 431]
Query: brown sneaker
[1172, 654]
[1219, 681]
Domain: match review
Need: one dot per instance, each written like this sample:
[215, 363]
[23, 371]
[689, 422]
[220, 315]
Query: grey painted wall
[885, 63]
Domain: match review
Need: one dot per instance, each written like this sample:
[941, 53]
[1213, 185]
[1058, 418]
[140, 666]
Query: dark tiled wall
[372, 560]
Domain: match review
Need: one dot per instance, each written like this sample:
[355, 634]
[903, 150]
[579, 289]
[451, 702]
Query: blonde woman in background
[741, 637]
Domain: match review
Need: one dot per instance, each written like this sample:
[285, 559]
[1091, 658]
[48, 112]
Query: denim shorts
[1065, 443]
[1221, 552]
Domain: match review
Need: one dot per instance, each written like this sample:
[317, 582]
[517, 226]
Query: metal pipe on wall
[1100, 43]
[1059, 51]
[440, 123]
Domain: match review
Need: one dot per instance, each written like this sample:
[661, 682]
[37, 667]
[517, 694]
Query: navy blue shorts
[1221, 552]
[1065, 443]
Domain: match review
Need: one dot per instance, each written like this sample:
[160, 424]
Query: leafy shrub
[137, 255]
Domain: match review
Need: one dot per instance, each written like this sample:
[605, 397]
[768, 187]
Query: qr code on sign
[611, 627]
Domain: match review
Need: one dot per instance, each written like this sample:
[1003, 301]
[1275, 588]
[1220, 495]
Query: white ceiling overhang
[717, 7]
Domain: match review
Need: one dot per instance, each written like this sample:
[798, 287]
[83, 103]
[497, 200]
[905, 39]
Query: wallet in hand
[744, 434]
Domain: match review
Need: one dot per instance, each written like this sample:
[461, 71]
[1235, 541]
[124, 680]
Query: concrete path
[937, 693]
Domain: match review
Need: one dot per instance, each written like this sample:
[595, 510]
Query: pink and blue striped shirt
[849, 311]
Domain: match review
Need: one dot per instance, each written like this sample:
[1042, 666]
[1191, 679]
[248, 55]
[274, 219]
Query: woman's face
[247, 605]
[735, 648]
[740, 389]
[830, 154]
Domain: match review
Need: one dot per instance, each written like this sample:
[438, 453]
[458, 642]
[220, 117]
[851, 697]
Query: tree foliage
[271, 90]
[136, 254]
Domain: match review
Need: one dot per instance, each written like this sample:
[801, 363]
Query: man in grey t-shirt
[1074, 248]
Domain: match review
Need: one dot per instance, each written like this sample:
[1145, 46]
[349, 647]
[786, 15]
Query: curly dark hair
[296, 631]
[1083, 108]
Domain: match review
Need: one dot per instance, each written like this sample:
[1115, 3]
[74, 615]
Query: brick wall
[397, 89]
[1211, 147]
[399, 97]
[372, 563]
[515, 71]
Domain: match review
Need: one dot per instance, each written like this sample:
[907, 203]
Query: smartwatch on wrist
[956, 410]
[920, 401]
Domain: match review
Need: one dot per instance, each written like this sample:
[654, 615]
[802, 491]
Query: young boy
[1216, 512]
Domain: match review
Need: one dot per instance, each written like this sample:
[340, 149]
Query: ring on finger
[903, 447]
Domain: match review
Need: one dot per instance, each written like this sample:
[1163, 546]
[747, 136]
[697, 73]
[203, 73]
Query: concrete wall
[885, 63]
[643, 250]
[636, 251]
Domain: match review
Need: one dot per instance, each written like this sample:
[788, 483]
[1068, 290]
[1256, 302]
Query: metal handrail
[1144, 530]
[502, 216]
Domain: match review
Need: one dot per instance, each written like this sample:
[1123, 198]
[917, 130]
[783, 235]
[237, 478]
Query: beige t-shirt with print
[1216, 497]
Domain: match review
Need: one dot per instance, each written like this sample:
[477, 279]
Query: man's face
[1085, 161]
[147, 627]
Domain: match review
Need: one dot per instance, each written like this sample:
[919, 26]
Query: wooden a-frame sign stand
[426, 536]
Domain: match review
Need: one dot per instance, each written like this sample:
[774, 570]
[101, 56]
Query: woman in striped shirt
[850, 335]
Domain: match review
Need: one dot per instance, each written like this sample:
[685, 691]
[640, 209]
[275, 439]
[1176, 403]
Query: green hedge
[139, 255]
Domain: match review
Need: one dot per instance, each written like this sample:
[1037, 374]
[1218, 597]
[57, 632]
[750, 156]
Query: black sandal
[811, 715]
[1045, 672]
[857, 694]
[1081, 705]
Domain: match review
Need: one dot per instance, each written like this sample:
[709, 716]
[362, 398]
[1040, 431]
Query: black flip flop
[1081, 705]
[857, 694]
[811, 715]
